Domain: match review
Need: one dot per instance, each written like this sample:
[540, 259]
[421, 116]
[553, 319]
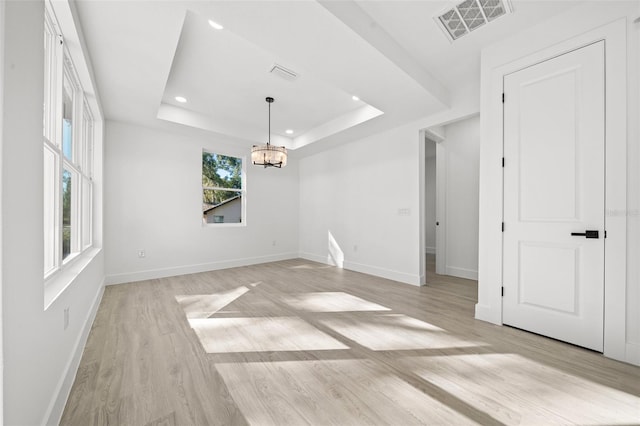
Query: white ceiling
[389, 53]
[227, 77]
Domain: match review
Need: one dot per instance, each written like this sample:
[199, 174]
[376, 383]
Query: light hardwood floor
[297, 342]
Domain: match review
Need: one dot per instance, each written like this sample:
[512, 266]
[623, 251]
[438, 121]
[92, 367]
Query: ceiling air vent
[283, 72]
[469, 15]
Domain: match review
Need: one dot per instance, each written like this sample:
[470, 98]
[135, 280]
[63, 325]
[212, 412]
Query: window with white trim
[68, 156]
[222, 189]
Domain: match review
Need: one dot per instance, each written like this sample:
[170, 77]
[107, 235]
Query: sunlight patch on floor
[330, 392]
[337, 301]
[395, 332]
[205, 305]
[521, 391]
[260, 334]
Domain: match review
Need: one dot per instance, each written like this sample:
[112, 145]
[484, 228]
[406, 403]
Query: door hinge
[502, 228]
[502, 161]
[605, 233]
[502, 291]
[503, 97]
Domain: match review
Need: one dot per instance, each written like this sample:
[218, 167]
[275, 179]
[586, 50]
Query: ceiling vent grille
[470, 15]
[283, 72]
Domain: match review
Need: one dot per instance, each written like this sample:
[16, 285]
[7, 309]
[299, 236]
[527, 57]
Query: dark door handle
[586, 234]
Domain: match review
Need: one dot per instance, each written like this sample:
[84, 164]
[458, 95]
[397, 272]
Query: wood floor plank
[296, 342]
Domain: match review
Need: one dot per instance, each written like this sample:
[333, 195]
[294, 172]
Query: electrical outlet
[66, 318]
[141, 254]
[273, 243]
[355, 247]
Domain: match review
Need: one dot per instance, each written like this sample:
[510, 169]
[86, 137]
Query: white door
[553, 187]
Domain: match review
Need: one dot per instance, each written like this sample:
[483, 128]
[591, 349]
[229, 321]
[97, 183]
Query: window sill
[57, 283]
[224, 225]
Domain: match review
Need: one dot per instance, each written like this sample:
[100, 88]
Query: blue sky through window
[66, 138]
[223, 173]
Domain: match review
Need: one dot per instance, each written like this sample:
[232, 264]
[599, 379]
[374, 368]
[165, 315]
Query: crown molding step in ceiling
[224, 66]
[312, 56]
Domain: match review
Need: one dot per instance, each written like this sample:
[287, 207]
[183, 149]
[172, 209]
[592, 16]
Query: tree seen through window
[221, 188]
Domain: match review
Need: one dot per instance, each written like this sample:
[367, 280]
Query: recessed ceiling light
[215, 25]
[355, 98]
[289, 131]
[181, 99]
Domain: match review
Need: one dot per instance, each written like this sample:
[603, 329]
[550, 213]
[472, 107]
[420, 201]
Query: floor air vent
[469, 15]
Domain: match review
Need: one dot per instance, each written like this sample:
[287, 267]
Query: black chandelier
[269, 155]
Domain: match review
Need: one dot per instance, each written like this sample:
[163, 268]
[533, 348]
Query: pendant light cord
[269, 141]
[269, 100]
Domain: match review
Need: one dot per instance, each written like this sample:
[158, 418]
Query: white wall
[39, 355]
[153, 202]
[633, 195]
[612, 21]
[430, 201]
[365, 195]
[462, 153]
[1, 180]
[360, 193]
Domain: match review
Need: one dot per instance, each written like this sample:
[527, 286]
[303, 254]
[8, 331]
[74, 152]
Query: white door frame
[422, 237]
[441, 203]
[513, 57]
[2, 26]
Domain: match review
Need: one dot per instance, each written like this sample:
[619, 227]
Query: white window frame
[58, 67]
[242, 191]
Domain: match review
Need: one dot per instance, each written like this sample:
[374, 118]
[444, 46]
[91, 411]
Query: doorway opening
[430, 210]
[434, 203]
[455, 221]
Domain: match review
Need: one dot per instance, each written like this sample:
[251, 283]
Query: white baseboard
[430, 250]
[366, 269]
[56, 408]
[486, 313]
[383, 273]
[316, 258]
[633, 353]
[193, 269]
[469, 274]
